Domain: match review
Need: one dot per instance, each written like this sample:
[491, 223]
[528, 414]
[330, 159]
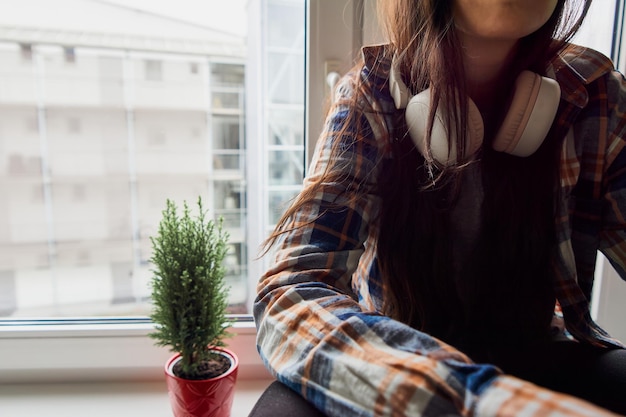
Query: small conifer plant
[188, 289]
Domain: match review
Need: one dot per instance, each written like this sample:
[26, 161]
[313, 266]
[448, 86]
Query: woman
[424, 267]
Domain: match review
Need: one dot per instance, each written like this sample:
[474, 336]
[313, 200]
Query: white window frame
[104, 349]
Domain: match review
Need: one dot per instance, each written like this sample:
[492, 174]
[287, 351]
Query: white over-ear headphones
[525, 126]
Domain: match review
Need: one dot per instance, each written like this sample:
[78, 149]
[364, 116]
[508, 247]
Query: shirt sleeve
[315, 337]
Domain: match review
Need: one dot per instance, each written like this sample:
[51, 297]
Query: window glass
[286, 87]
[226, 100]
[98, 131]
[285, 128]
[227, 75]
[285, 167]
[226, 132]
[278, 202]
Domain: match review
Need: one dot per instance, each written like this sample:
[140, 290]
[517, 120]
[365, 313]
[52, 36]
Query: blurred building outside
[105, 112]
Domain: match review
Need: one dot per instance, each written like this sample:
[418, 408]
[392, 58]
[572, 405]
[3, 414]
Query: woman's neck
[485, 62]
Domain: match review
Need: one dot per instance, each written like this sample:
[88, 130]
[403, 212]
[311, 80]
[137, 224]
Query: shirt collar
[573, 68]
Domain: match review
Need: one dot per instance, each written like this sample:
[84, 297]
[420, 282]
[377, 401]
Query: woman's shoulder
[371, 71]
[585, 64]
[366, 85]
[377, 59]
[374, 76]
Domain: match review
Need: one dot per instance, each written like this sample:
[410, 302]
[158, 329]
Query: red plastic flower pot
[203, 398]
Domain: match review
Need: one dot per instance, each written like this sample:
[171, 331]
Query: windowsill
[104, 368]
[105, 399]
[117, 351]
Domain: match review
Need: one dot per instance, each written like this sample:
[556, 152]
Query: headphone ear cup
[530, 116]
[417, 114]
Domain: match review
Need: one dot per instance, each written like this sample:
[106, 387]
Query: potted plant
[189, 311]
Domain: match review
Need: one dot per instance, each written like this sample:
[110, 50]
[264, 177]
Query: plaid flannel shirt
[320, 330]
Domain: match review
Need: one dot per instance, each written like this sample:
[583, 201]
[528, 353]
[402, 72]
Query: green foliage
[188, 289]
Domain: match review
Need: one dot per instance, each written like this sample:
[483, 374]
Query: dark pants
[593, 374]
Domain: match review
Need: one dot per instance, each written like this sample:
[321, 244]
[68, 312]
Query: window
[153, 70]
[26, 52]
[94, 154]
[194, 68]
[70, 55]
[227, 75]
